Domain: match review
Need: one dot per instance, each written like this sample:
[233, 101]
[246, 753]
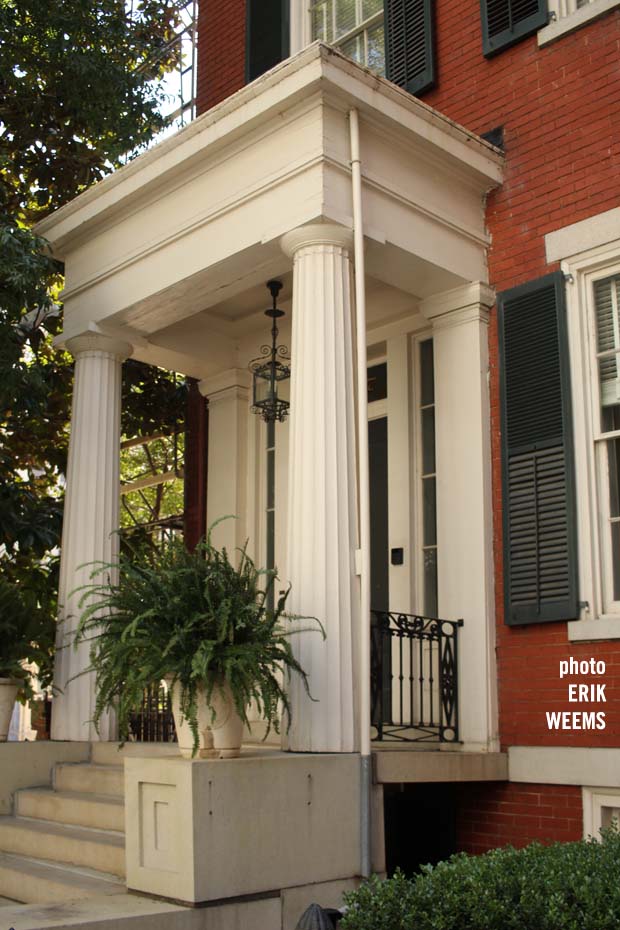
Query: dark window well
[410, 44]
[267, 27]
[505, 22]
[540, 550]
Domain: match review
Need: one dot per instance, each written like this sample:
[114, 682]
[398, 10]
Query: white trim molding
[588, 250]
[565, 765]
[568, 22]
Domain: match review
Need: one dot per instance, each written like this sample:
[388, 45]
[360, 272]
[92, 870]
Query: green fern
[194, 619]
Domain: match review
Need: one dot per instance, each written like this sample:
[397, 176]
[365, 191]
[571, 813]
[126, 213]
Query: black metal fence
[414, 678]
[153, 722]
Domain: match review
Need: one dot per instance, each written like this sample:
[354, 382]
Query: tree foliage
[78, 90]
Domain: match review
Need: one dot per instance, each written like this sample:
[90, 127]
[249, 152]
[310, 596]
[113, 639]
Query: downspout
[364, 496]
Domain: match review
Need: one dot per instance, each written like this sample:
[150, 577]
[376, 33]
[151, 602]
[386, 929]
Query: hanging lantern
[271, 369]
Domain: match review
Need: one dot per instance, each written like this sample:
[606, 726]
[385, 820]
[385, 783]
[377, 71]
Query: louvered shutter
[266, 35]
[409, 44]
[607, 309]
[540, 550]
[504, 22]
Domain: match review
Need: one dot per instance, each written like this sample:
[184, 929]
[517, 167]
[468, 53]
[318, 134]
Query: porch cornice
[318, 68]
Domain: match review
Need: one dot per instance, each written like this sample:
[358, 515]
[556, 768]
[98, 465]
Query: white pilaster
[229, 396]
[464, 498]
[322, 517]
[91, 517]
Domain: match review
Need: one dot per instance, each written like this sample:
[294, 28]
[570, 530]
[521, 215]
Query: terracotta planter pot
[219, 737]
[8, 693]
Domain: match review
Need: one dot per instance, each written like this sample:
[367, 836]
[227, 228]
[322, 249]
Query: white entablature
[196, 222]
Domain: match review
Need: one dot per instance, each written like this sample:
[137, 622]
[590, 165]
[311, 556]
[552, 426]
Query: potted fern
[199, 623]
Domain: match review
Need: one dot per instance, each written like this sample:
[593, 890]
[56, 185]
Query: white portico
[167, 260]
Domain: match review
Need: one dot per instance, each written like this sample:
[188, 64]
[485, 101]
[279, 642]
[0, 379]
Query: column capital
[466, 304]
[316, 234]
[98, 344]
[217, 387]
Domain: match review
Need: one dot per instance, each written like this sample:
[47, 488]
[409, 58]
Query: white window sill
[584, 631]
[575, 20]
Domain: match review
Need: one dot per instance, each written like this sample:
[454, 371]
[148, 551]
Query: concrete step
[113, 753]
[81, 846]
[112, 912]
[34, 881]
[100, 811]
[90, 779]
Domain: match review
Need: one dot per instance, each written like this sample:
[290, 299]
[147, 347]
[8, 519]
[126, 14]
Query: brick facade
[560, 109]
[221, 51]
[516, 814]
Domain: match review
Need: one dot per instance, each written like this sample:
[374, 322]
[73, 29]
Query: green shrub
[567, 886]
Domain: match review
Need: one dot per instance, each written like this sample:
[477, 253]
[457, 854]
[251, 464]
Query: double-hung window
[605, 300]
[590, 255]
[353, 26]
[394, 38]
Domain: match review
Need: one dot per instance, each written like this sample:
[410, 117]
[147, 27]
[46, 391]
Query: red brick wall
[221, 51]
[491, 815]
[560, 108]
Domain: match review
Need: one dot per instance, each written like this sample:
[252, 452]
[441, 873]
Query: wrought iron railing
[153, 722]
[414, 678]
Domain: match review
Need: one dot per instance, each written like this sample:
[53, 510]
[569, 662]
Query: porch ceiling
[193, 226]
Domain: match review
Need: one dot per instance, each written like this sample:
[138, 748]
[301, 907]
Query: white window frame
[600, 805]
[600, 617]
[566, 16]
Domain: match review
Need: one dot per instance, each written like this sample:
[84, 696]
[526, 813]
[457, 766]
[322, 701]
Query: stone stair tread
[58, 871]
[31, 881]
[111, 799]
[107, 837]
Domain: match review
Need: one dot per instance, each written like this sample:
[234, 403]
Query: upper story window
[354, 26]
[606, 301]
[394, 38]
[567, 15]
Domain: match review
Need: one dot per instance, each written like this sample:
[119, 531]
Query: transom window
[354, 26]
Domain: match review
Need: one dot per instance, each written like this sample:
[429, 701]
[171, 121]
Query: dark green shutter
[409, 44]
[267, 26]
[540, 544]
[504, 22]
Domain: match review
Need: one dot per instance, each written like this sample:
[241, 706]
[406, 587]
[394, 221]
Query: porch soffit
[196, 221]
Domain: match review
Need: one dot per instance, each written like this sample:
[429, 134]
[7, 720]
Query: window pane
[606, 303]
[429, 507]
[321, 21]
[376, 48]
[271, 479]
[377, 382]
[354, 48]
[370, 7]
[613, 461]
[345, 18]
[428, 441]
[428, 375]
[430, 582]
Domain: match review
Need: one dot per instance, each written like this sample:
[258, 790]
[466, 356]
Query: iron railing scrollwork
[414, 677]
[153, 721]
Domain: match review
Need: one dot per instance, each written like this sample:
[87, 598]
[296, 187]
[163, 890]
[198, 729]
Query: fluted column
[322, 511]
[91, 517]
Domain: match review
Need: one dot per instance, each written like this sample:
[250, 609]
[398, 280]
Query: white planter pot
[8, 693]
[219, 737]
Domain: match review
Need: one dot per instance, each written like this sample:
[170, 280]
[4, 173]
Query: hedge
[566, 886]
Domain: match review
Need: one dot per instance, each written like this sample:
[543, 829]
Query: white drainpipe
[364, 494]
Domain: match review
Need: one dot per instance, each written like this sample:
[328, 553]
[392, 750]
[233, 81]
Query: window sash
[600, 438]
